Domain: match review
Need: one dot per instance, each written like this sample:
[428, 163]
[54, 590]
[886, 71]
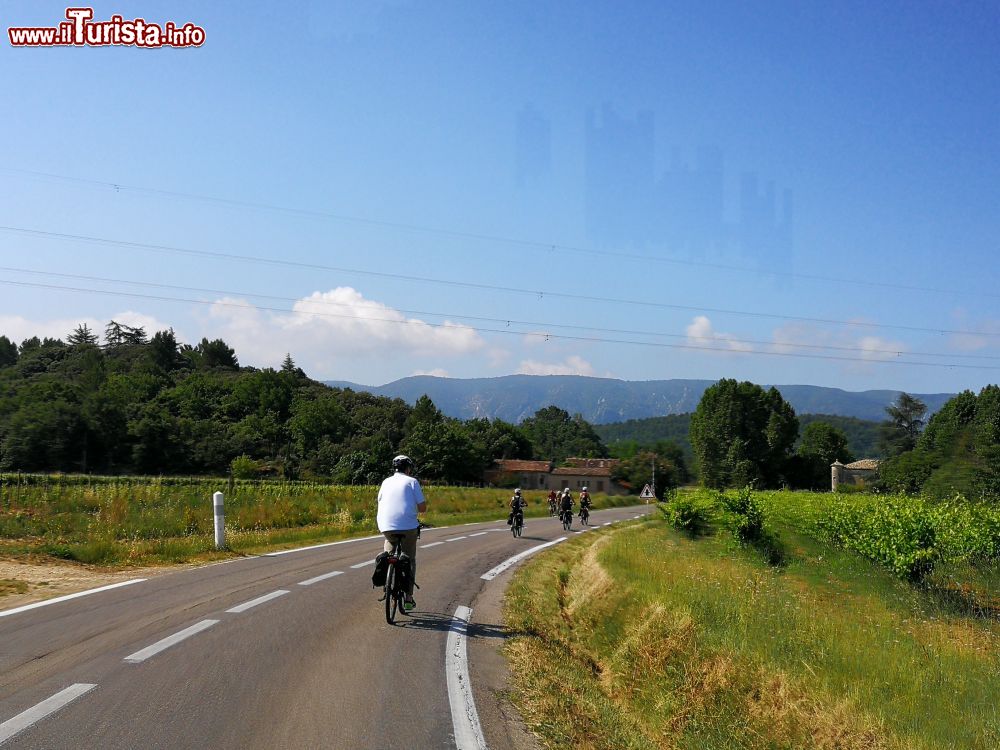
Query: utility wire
[472, 285]
[505, 331]
[459, 234]
[503, 321]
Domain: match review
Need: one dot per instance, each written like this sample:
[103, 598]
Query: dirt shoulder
[25, 581]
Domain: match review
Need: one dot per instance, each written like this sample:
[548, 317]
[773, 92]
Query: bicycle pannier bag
[381, 568]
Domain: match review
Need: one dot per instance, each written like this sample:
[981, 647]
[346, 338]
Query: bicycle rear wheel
[391, 600]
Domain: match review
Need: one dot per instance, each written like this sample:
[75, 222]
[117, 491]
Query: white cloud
[437, 372]
[328, 327]
[798, 338]
[972, 342]
[572, 365]
[701, 333]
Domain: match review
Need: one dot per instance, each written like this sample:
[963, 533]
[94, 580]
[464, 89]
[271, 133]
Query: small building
[592, 473]
[857, 473]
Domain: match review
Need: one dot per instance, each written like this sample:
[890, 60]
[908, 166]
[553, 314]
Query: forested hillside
[135, 404]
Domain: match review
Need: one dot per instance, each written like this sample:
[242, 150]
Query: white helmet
[584, 489]
[517, 491]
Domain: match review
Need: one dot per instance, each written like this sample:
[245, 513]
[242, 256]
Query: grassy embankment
[643, 636]
[141, 520]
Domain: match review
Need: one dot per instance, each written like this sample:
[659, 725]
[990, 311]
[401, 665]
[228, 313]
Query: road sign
[647, 493]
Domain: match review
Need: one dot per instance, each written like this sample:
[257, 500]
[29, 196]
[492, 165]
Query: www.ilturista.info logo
[80, 30]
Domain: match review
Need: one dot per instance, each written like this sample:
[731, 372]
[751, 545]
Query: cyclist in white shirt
[399, 500]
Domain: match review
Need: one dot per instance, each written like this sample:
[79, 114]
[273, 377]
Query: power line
[504, 321]
[459, 234]
[480, 329]
[473, 285]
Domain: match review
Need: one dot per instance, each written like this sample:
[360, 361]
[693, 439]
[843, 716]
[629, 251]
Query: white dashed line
[323, 577]
[67, 597]
[169, 641]
[479, 533]
[494, 572]
[432, 544]
[362, 564]
[254, 602]
[455, 538]
[464, 717]
[39, 711]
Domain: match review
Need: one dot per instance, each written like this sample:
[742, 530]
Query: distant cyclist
[517, 505]
[399, 500]
[585, 504]
[553, 500]
[566, 503]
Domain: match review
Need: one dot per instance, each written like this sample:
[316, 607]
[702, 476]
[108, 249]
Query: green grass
[648, 637]
[125, 521]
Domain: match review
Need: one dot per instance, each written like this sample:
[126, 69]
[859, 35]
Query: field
[126, 521]
[649, 636]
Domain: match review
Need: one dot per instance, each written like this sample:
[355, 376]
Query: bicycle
[517, 524]
[567, 519]
[585, 516]
[394, 589]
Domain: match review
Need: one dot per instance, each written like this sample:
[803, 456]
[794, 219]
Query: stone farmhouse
[857, 473]
[542, 476]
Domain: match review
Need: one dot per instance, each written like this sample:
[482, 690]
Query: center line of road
[432, 544]
[479, 533]
[169, 641]
[254, 602]
[362, 564]
[40, 710]
[455, 538]
[494, 572]
[323, 577]
[464, 717]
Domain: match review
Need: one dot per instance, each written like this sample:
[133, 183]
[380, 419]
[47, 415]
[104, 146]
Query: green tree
[8, 352]
[821, 445]
[556, 436]
[637, 471]
[82, 336]
[899, 433]
[742, 435]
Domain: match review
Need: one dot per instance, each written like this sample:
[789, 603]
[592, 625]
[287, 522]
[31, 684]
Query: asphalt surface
[217, 657]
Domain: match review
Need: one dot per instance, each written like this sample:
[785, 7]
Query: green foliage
[690, 512]
[742, 435]
[636, 471]
[899, 433]
[244, 467]
[555, 436]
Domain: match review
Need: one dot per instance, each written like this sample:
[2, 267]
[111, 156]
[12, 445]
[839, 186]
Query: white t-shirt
[398, 498]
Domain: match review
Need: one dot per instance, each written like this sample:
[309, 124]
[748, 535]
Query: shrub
[691, 513]
[244, 467]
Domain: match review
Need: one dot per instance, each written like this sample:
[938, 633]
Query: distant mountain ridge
[605, 400]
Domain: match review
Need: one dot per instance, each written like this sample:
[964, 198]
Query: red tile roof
[577, 471]
[864, 463]
[513, 465]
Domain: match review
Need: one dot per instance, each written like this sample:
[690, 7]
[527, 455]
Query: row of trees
[140, 404]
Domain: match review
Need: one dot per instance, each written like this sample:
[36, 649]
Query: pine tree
[82, 336]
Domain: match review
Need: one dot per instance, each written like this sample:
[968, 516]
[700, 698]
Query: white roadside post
[220, 521]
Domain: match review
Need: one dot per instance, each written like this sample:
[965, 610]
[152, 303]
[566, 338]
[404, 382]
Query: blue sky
[706, 161]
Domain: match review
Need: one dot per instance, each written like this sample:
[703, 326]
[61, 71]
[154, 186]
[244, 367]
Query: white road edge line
[67, 597]
[607, 524]
[169, 641]
[254, 602]
[464, 717]
[432, 544]
[323, 577]
[494, 572]
[320, 546]
[39, 711]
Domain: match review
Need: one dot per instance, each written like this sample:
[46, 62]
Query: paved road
[278, 651]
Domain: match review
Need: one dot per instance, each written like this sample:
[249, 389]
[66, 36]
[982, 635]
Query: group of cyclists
[561, 503]
[400, 499]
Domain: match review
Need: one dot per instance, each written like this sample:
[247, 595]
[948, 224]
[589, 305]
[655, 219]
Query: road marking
[67, 597]
[479, 533]
[494, 572]
[455, 538]
[432, 544]
[169, 641]
[464, 717]
[254, 602]
[608, 523]
[323, 577]
[319, 546]
[362, 564]
[40, 710]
